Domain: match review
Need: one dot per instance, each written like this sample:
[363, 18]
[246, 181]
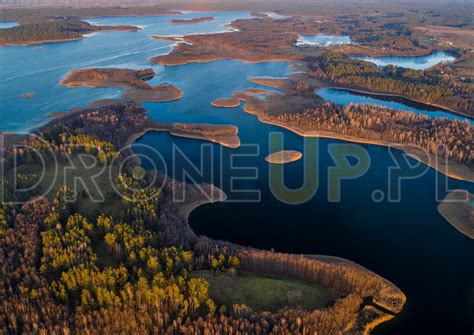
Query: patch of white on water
[411, 62]
[322, 40]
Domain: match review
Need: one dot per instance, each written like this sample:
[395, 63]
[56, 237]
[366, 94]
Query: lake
[322, 40]
[410, 62]
[345, 97]
[8, 24]
[406, 241]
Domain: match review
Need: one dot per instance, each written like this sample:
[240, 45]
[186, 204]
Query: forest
[27, 15]
[65, 271]
[66, 29]
[452, 139]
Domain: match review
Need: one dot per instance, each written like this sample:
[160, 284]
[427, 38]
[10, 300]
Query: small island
[283, 157]
[458, 209]
[192, 21]
[134, 83]
[226, 103]
[225, 135]
[167, 38]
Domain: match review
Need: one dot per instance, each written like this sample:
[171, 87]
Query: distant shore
[193, 21]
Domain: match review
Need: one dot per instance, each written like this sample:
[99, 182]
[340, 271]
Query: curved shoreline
[387, 302]
[284, 157]
[452, 170]
[432, 104]
[458, 212]
[132, 82]
[226, 103]
[228, 141]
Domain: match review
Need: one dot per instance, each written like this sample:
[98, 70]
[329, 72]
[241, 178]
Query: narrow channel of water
[410, 62]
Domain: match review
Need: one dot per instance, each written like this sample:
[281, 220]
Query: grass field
[264, 293]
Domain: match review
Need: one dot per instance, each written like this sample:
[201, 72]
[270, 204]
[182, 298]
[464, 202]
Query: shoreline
[158, 60]
[27, 43]
[432, 104]
[232, 142]
[461, 172]
[226, 103]
[146, 93]
[361, 50]
[458, 213]
[283, 157]
[193, 21]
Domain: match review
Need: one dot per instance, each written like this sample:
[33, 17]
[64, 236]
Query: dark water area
[405, 241]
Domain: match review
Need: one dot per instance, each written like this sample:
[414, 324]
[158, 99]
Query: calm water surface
[345, 97]
[411, 62]
[322, 40]
[407, 242]
[8, 24]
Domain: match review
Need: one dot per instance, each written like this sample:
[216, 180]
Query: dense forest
[52, 31]
[427, 86]
[448, 138]
[72, 272]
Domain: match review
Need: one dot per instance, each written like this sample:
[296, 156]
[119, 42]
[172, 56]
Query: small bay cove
[407, 242]
[410, 62]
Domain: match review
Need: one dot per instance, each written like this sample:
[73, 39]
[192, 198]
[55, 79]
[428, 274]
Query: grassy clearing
[265, 293]
[73, 174]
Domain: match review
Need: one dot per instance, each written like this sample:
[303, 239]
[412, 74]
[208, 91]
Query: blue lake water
[405, 241]
[345, 97]
[39, 68]
[8, 24]
[322, 40]
[410, 62]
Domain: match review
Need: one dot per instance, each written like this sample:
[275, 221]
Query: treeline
[426, 86]
[65, 272]
[52, 31]
[26, 15]
[203, 129]
[452, 138]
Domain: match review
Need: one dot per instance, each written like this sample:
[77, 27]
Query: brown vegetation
[134, 82]
[283, 157]
[420, 136]
[226, 103]
[54, 31]
[222, 134]
[458, 209]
